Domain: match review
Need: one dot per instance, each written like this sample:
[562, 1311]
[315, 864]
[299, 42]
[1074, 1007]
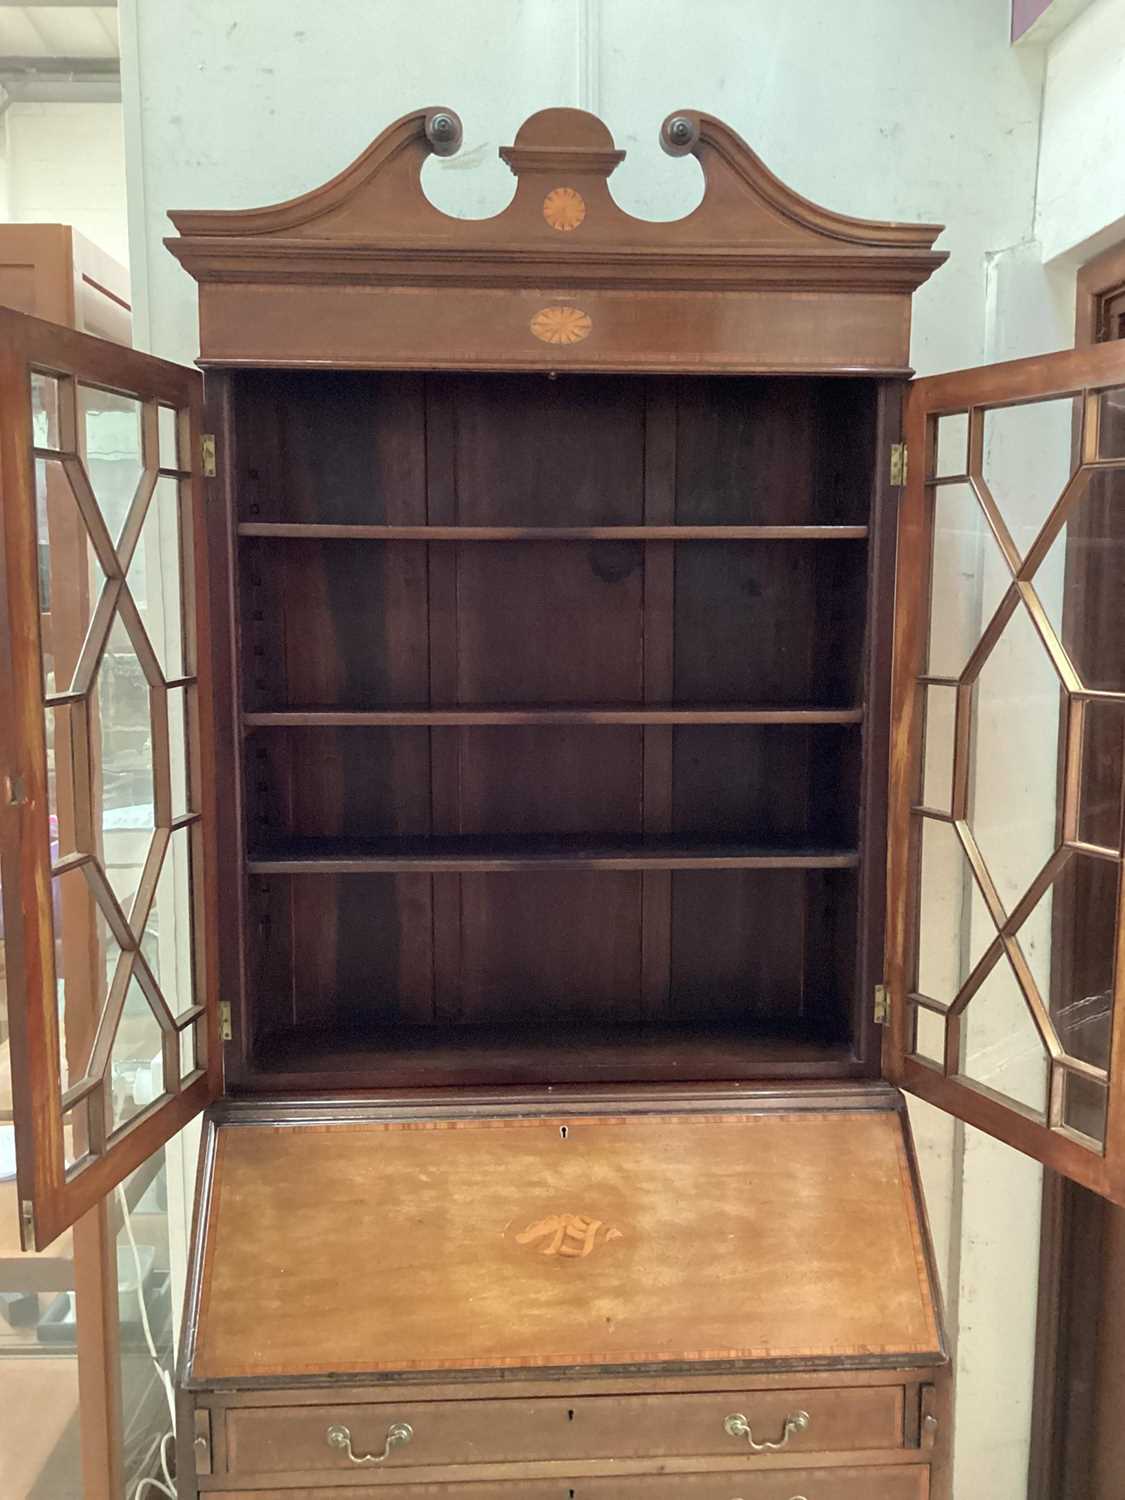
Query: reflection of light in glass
[136, 1068]
[154, 577]
[127, 814]
[111, 425]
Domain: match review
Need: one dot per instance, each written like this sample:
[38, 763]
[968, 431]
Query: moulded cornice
[373, 224]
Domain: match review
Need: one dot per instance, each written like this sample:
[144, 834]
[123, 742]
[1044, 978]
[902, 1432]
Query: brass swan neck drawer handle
[398, 1435]
[736, 1425]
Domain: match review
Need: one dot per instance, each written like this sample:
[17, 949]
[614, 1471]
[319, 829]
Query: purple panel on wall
[1024, 14]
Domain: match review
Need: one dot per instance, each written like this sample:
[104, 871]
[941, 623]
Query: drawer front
[303, 1439]
[791, 1484]
[529, 1489]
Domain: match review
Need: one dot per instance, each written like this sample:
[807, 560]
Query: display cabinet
[596, 753]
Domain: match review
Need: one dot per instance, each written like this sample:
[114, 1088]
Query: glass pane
[951, 450]
[86, 956]
[1103, 774]
[110, 426]
[937, 757]
[70, 576]
[1081, 582]
[1068, 941]
[968, 580]
[155, 577]
[1000, 1046]
[76, 1133]
[181, 705]
[144, 1310]
[1027, 461]
[45, 411]
[1111, 423]
[126, 814]
[168, 436]
[136, 1065]
[929, 1035]
[1084, 1106]
[39, 1438]
[954, 928]
[167, 941]
[1014, 755]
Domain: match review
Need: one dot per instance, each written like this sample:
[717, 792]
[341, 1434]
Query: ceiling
[55, 51]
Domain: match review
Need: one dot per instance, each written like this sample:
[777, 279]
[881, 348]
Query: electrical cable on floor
[167, 1485]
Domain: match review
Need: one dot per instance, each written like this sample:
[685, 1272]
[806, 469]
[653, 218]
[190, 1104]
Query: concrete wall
[1030, 309]
[1039, 21]
[65, 164]
[874, 108]
[1080, 198]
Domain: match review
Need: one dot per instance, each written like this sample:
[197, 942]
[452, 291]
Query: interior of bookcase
[552, 723]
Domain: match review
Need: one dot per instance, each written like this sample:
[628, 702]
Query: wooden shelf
[556, 713]
[560, 1053]
[465, 854]
[309, 531]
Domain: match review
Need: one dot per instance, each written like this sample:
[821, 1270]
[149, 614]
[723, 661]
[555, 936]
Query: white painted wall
[65, 164]
[1080, 203]
[874, 108]
[993, 1275]
[1029, 308]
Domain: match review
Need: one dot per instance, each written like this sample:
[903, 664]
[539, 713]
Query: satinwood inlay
[561, 325]
[564, 208]
[573, 1236]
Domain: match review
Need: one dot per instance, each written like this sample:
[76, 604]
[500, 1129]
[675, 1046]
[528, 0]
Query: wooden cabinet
[54, 272]
[579, 750]
[572, 1291]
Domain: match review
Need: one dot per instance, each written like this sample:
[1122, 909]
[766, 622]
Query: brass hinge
[882, 1005]
[27, 1223]
[207, 454]
[899, 458]
[226, 1029]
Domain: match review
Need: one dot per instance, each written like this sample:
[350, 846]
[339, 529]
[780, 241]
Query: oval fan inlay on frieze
[561, 325]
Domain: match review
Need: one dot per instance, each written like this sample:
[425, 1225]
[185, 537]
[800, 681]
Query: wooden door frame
[1098, 280]
[58, 1197]
[80, 288]
[1078, 374]
[1077, 1439]
[51, 270]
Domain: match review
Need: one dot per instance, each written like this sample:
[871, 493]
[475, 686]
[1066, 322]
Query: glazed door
[107, 902]
[1006, 961]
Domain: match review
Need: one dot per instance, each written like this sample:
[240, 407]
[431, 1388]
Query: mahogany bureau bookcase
[578, 773]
